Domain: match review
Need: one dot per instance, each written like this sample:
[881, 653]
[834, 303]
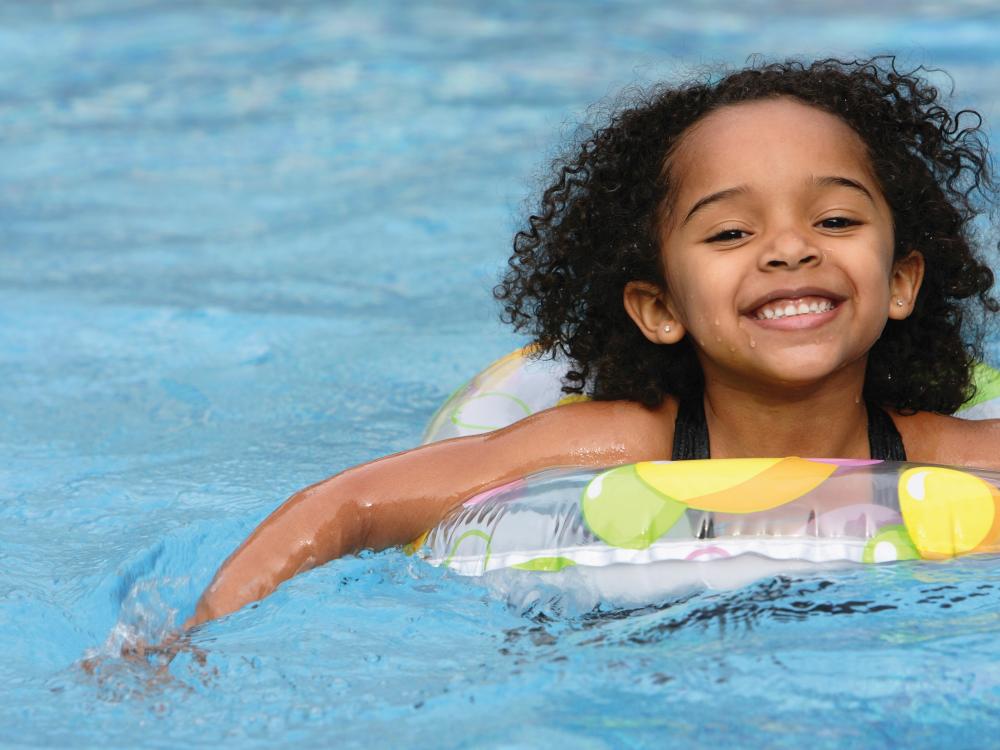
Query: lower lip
[808, 321]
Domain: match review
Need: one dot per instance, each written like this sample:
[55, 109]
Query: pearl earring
[899, 302]
[666, 329]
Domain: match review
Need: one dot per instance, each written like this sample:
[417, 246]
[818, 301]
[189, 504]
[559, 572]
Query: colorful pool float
[685, 522]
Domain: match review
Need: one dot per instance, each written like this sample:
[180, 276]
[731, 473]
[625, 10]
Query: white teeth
[789, 310]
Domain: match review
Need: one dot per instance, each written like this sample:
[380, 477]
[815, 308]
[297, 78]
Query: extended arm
[392, 500]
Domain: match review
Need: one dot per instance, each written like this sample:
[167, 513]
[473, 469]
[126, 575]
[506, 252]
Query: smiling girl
[775, 263]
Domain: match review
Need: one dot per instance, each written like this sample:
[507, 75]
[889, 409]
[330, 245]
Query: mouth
[794, 308]
[790, 307]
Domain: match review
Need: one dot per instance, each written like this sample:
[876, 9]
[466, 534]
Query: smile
[795, 313]
[788, 308]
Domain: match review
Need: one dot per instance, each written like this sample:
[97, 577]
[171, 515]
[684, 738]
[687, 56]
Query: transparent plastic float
[638, 532]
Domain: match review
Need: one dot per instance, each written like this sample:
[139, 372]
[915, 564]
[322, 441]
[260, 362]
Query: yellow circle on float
[735, 485]
[947, 512]
[686, 480]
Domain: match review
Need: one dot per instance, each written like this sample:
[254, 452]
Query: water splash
[145, 618]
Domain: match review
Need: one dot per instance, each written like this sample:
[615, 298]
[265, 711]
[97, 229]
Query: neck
[819, 420]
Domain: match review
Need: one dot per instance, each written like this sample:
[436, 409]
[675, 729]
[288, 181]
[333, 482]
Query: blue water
[243, 246]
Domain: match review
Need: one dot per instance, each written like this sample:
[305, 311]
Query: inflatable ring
[683, 523]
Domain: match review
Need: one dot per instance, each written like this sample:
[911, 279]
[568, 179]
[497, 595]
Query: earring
[666, 329]
[899, 302]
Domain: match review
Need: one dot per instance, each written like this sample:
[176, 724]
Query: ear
[647, 305]
[907, 275]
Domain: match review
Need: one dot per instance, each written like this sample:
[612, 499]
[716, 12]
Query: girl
[776, 263]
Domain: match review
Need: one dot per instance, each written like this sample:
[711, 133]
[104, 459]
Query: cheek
[886, 244]
[692, 298]
[874, 296]
[878, 279]
[704, 302]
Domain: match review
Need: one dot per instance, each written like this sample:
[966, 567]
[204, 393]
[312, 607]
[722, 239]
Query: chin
[803, 374]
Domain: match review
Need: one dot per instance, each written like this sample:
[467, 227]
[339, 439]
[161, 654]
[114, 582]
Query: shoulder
[941, 439]
[596, 432]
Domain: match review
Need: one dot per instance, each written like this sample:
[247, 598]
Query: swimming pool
[244, 247]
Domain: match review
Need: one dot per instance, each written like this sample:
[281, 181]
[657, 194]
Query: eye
[838, 222]
[728, 235]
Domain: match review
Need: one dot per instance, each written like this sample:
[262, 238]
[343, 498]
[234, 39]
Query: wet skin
[775, 207]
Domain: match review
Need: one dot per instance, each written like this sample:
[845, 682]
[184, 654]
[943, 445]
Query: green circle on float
[489, 411]
[891, 544]
[623, 511]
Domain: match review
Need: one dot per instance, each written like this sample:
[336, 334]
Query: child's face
[777, 248]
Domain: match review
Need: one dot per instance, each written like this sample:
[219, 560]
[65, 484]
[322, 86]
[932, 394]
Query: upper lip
[805, 291]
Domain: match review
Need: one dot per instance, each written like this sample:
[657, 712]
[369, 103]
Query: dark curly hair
[597, 226]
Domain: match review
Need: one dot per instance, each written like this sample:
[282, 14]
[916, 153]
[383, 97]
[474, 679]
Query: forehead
[763, 143]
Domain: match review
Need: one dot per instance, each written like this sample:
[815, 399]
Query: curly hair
[597, 227]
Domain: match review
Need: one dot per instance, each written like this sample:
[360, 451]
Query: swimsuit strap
[691, 433]
[884, 442]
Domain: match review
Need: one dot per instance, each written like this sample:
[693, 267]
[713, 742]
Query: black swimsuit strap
[884, 441]
[691, 433]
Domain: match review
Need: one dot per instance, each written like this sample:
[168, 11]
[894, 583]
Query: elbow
[341, 524]
[362, 512]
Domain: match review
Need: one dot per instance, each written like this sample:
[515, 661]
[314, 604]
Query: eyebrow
[826, 181]
[835, 181]
[714, 198]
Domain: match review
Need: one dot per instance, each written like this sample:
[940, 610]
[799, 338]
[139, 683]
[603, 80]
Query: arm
[392, 500]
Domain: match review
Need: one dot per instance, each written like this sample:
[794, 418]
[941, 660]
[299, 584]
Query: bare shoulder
[940, 439]
[595, 433]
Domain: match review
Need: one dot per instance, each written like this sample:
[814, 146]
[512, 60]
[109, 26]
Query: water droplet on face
[718, 339]
[752, 343]
[857, 399]
[716, 321]
[732, 348]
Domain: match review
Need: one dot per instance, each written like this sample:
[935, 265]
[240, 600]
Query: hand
[145, 655]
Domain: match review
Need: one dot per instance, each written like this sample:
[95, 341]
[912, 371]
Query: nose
[789, 250]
